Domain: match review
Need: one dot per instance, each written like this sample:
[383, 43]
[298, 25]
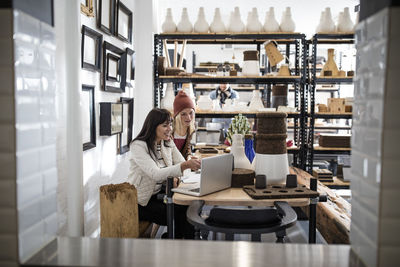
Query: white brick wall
[35, 124]
[375, 146]
[8, 199]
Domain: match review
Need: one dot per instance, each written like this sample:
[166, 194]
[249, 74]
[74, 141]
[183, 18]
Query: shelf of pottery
[261, 36]
[330, 122]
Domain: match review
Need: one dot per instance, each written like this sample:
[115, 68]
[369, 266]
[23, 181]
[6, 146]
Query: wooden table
[236, 197]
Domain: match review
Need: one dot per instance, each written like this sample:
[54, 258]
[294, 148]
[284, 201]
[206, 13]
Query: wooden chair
[249, 221]
[119, 213]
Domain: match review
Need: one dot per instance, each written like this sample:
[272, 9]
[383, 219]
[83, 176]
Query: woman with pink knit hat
[183, 124]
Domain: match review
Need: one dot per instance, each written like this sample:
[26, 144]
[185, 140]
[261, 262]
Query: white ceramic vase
[275, 167]
[345, 23]
[251, 68]
[204, 103]
[270, 23]
[168, 25]
[287, 23]
[217, 25]
[321, 20]
[184, 24]
[239, 157]
[169, 96]
[201, 24]
[188, 89]
[236, 23]
[253, 23]
[256, 102]
[327, 24]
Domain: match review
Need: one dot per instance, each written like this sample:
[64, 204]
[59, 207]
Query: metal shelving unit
[313, 80]
[298, 80]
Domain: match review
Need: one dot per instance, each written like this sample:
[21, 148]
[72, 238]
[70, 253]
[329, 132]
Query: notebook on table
[215, 175]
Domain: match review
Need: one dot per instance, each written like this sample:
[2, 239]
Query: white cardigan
[145, 173]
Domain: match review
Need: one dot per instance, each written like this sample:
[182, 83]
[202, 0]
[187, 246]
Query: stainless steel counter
[65, 251]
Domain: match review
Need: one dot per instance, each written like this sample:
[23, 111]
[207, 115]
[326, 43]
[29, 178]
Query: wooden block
[278, 192]
[348, 108]
[322, 108]
[336, 105]
[119, 211]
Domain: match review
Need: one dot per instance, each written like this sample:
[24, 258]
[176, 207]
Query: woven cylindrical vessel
[241, 177]
[250, 55]
[279, 89]
[271, 123]
[271, 144]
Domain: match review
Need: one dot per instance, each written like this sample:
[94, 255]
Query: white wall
[102, 165]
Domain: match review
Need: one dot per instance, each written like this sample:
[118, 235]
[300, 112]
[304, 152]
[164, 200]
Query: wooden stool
[119, 213]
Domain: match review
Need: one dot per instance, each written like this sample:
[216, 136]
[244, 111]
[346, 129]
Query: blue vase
[249, 149]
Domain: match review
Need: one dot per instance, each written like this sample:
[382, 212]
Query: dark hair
[155, 117]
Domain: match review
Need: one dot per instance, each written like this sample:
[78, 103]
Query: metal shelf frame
[299, 83]
[333, 39]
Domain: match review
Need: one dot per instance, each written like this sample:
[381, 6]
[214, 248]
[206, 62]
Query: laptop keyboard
[197, 190]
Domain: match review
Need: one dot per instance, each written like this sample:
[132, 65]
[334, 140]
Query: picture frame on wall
[88, 117]
[91, 49]
[106, 16]
[125, 137]
[130, 66]
[87, 8]
[113, 68]
[109, 84]
[111, 118]
[124, 21]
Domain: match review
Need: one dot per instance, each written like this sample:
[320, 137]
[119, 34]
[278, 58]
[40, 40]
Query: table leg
[170, 208]
[313, 214]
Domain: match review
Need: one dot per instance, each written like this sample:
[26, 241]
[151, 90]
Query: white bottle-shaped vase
[346, 24]
[201, 24]
[169, 96]
[321, 21]
[169, 25]
[327, 25]
[188, 89]
[270, 23]
[256, 102]
[236, 23]
[184, 24]
[339, 21]
[239, 157]
[253, 23]
[217, 25]
[287, 23]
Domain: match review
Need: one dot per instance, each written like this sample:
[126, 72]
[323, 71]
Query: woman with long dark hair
[154, 157]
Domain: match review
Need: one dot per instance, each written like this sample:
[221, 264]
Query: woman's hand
[176, 182]
[193, 164]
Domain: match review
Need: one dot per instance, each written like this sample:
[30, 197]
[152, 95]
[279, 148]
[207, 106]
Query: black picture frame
[130, 66]
[111, 118]
[88, 117]
[116, 78]
[125, 10]
[103, 6]
[98, 39]
[115, 87]
[125, 137]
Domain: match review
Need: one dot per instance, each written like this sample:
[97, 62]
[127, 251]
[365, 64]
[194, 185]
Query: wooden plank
[333, 216]
[119, 211]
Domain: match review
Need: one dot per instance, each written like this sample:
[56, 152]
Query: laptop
[215, 175]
